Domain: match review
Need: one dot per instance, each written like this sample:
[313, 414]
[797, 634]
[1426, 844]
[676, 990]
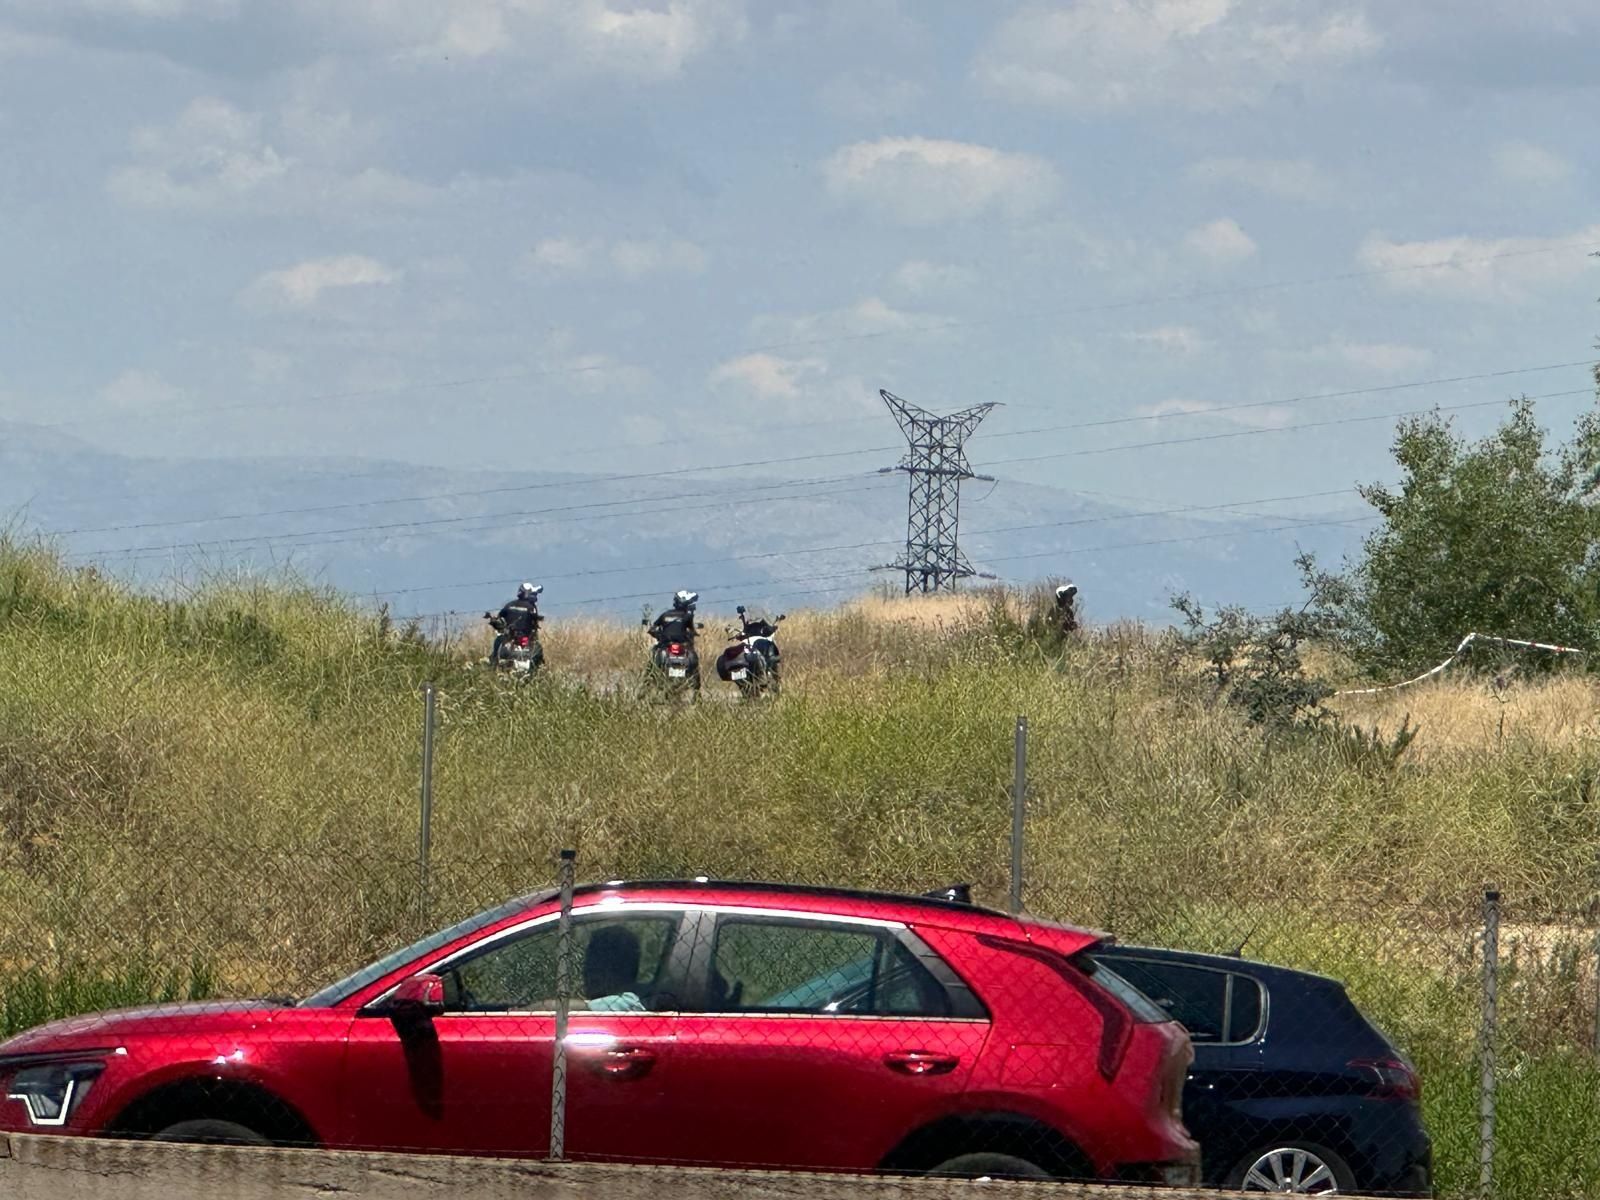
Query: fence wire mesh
[1337, 1044]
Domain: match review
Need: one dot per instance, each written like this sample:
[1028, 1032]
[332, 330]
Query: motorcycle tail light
[522, 641]
[675, 648]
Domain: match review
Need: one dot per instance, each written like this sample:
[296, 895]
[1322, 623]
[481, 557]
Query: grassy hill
[217, 792]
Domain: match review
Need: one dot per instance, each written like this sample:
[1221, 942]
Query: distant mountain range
[430, 540]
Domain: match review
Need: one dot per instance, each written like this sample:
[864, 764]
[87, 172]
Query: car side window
[617, 964]
[1196, 997]
[1244, 1009]
[778, 966]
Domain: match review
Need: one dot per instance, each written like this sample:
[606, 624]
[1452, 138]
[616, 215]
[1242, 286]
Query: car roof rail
[956, 893]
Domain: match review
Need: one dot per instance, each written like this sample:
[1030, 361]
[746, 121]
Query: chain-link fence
[1336, 1044]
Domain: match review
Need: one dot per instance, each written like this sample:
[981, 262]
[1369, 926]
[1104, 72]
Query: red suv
[712, 1023]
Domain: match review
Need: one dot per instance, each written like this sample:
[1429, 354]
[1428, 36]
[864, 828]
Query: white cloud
[218, 158]
[1530, 165]
[628, 258]
[1512, 268]
[871, 96]
[1174, 339]
[1289, 178]
[865, 318]
[1208, 54]
[918, 277]
[766, 376]
[926, 181]
[563, 37]
[303, 284]
[153, 10]
[1387, 358]
[1268, 416]
[635, 258]
[135, 390]
[1221, 242]
[561, 254]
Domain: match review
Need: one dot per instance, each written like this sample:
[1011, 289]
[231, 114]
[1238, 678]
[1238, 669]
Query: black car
[1292, 1088]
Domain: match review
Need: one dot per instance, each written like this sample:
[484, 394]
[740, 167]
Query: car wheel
[989, 1166]
[211, 1133]
[1300, 1168]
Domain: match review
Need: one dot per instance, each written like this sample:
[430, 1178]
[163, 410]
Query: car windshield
[336, 993]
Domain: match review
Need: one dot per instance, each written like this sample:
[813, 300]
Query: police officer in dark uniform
[518, 619]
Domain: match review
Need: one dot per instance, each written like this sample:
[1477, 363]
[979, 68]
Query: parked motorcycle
[751, 661]
[674, 666]
[520, 655]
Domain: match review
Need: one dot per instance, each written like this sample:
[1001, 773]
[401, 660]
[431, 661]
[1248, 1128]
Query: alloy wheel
[1292, 1170]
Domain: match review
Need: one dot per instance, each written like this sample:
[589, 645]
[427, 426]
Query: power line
[749, 585]
[1238, 433]
[1204, 537]
[1220, 436]
[1348, 393]
[634, 476]
[516, 515]
[478, 492]
[841, 547]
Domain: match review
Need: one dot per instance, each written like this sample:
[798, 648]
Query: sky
[596, 236]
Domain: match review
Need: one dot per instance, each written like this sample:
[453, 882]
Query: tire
[210, 1132]
[993, 1166]
[1320, 1172]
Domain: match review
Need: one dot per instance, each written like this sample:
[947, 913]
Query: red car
[714, 1023]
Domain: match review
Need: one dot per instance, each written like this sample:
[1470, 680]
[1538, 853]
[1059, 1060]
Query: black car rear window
[1131, 996]
[1193, 996]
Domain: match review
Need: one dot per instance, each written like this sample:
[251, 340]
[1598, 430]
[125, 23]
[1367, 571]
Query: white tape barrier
[1465, 642]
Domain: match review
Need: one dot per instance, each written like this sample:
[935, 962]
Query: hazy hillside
[737, 537]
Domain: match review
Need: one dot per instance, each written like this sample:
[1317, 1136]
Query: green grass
[218, 794]
[33, 995]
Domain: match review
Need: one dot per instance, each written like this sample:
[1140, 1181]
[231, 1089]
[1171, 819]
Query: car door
[1223, 1012]
[477, 1078]
[818, 1042]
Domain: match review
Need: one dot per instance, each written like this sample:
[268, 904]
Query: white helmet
[684, 599]
[529, 591]
[1066, 592]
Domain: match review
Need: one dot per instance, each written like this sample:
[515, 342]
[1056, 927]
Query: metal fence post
[1019, 801]
[1597, 994]
[1488, 1035]
[558, 1075]
[425, 832]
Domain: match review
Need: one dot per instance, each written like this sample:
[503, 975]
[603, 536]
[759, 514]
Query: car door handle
[920, 1062]
[624, 1062]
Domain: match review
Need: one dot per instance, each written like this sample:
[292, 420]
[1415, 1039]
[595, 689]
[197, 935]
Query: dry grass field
[219, 794]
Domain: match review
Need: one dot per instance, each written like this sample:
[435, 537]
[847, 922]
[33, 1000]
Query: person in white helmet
[519, 618]
[677, 623]
[1067, 608]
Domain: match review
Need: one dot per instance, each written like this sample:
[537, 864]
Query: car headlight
[50, 1090]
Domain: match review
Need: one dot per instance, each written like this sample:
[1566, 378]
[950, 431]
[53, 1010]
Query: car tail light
[1395, 1079]
[1177, 1074]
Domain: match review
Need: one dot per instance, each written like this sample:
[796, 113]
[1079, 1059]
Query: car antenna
[1238, 951]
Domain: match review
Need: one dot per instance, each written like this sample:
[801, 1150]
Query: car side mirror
[417, 999]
